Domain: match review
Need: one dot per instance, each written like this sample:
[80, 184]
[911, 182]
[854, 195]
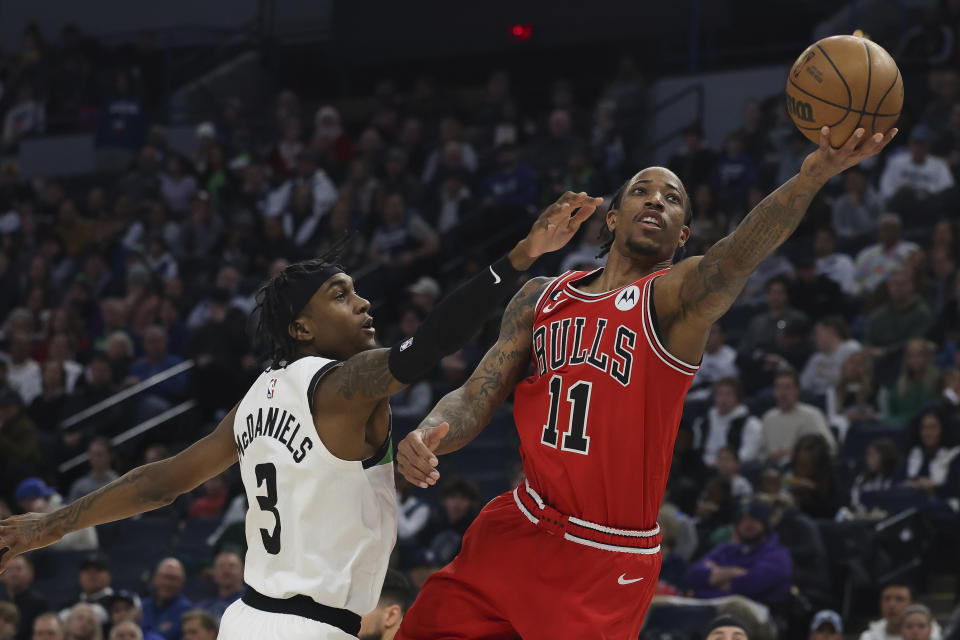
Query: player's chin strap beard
[297, 294]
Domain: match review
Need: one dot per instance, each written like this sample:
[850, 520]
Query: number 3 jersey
[598, 417]
[316, 525]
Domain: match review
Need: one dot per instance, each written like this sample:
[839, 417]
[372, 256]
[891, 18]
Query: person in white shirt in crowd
[23, 372]
[916, 170]
[584, 257]
[854, 214]
[891, 253]
[929, 460]
[101, 473]
[895, 599]
[324, 194]
[826, 625]
[728, 423]
[784, 424]
[414, 512]
[880, 466]
[839, 267]
[719, 361]
[834, 345]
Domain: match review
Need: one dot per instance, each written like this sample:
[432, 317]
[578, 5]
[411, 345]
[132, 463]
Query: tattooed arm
[463, 413]
[142, 489]
[697, 292]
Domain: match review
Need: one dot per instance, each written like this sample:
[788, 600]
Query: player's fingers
[851, 144]
[825, 139]
[433, 437]
[888, 136]
[416, 470]
[585, 211]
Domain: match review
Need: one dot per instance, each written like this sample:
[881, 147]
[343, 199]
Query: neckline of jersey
[596, 297]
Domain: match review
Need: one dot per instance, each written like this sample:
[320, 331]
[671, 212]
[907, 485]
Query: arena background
[159, 161]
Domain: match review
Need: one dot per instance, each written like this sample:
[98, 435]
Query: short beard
[371, 636]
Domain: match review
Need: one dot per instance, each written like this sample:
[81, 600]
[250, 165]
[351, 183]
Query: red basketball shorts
[521, 574]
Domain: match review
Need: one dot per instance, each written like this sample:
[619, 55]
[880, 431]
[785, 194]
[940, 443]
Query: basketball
[844, 82]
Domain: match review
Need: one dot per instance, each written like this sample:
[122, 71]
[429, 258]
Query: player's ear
[684, 234]
[612, 220]
[392, 616]
[298, 331]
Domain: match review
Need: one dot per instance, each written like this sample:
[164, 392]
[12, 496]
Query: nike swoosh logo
[622, 579]
[496, 278]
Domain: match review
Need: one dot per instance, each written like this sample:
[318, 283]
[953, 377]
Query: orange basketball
[844, 82]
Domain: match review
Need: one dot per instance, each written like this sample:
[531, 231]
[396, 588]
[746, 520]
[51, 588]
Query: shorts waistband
[305, 607]
[581, 531]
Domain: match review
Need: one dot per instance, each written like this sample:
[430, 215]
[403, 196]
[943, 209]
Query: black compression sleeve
[454, 321]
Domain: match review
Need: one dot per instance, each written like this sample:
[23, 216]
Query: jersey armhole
[385, 453]
[317, 377]
[653, 336]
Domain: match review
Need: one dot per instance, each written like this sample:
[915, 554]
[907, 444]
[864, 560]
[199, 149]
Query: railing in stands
[700, 97]
[129, 392]
[133, 432]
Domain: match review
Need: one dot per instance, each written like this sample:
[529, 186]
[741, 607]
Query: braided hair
[607, 236]
[272, 335]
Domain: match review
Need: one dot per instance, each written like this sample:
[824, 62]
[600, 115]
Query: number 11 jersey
[316, 525]
[598, 417]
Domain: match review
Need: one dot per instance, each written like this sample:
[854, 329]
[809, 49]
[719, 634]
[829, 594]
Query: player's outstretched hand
[19, 534]
[559, 222]
[826, 162]
[415, 457]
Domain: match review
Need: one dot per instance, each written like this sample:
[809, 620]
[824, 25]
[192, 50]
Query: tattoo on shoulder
[365, 375]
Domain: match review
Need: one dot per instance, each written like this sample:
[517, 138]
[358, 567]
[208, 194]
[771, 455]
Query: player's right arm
[145, 488]
[463, 413]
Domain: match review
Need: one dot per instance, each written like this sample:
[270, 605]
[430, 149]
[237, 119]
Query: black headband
[297, 294]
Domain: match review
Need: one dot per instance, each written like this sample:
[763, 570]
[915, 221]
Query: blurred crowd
[827, 403]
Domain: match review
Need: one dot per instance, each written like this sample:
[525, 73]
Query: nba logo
[271, 387]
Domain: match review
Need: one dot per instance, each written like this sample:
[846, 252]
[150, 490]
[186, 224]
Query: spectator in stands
[144, 181]
[894, 600]
[726, 628]
[459, 506]
[513, 185]
[715, 513]
[834, 346]
[916, 385]
[911, 177]
[728, 423]
[17, 581]
[855, 397]
[402, 239]
[122, 124]
[551, 153]
[125, 607]
[210, 499]
[719, 361]
[9, 620]
[756, 565]
[383, 622]
[584, 256]
[162, 612]
[855, 213]
[928, 463]
[728, 467]
[826, 625]
[283, 157]
[311, 185]
[814, 294]
[757, 355]
[23, 372]
[19, 452]
[694, 162]
[811, 478]
[176, 186]
[875, 263]
[47, 626]
[94, 578]
[918, 623]
[26, 116]
[126, 631]
[157, 359]
[946, 326]
[199, 625]
[733, 173]
[333, 146]
[228, 576]
[48, 409]
[82, 623]
[903, 317]
[880, 465]
[789, 420]
[200, 233]
[414, 514]
[101, 470]
[451, 131]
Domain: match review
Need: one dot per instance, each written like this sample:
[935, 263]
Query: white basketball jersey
[316, 525]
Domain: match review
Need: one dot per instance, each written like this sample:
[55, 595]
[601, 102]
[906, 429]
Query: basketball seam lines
[839, 75]
[838, 106]
[884, 97]
[866, 94]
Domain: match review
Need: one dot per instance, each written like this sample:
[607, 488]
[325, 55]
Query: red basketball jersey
[599, 416]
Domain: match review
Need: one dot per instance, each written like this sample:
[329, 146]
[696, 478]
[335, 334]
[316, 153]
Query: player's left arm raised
[700, 290]
[145, 488]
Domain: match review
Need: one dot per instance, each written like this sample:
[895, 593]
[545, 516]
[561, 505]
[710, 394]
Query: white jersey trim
[654, 340]
[610, 547]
